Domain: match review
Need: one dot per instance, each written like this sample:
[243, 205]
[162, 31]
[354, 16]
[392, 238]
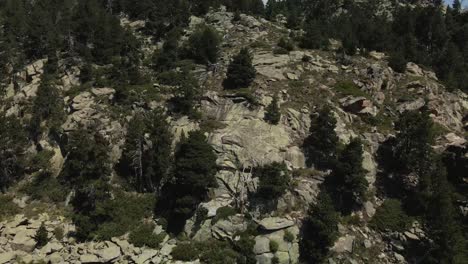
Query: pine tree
[321, 145]
[13, 142]
[48, 105]
[204, 45]
[241, 72]
[272, 112]
[87, 158]
[41, 237]
[348, 184]
[274, 180]
[314, 37]
[449, 244]
[193, 175]
[320, 230]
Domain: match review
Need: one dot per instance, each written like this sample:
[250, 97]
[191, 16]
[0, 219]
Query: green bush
[274, 180]
[397, 62]
[7, 206]
[275, 260]
[144, 236]
[288, 236]
[223, 213]
[286, 44]
[390, 216]
[349, 88]
[273, 246]
[124, 213]
[59, 233]
[185, 252]
[47, 188]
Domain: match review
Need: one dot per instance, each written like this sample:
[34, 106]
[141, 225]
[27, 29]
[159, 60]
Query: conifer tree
[321, 145]
[274, 180]
[348, 184]
[204, 45]
[320, 230]
[147, 151]
[13, 140]
[41, 237]
[241, 72]
[272, 112]
[449, 244]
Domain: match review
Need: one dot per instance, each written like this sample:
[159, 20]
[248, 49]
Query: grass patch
[349, 88]
[210, 125]
[211, 251]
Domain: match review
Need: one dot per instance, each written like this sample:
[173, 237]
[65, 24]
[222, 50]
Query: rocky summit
[296, 131]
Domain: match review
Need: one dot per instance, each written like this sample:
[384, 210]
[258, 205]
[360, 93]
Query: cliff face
[304, 81]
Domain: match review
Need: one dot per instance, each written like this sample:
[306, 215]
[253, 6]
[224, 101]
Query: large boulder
[275, 223]
[23, 240]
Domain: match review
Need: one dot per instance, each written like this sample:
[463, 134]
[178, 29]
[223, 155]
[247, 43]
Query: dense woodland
[88, 33]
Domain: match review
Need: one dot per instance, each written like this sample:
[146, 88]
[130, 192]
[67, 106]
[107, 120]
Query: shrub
[7, 206]
[185, 252]
[275, 260]
[217, 252]
[204, 45]
[47, 188]
[274, 180]
[223, 213]
[59, 233]
[124, 213]
[286, 44]
[390, 216]
[42, 236]
[273, 246]
[288, 236]
[273, 114]
[144, 236]
[397, 62]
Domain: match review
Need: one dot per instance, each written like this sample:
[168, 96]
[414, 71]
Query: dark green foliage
[347, 183]
[321, 145]
[187, 90]
[143, 236]
[245, 247]
[273, 246]
[13, 142]
[413, 149]
[320, 229]
[241, 72]
[7, 207]
[272, 112]
[87, 158]
[286, 44]
[288, 236]
[223, 213]
[274, 180]
[314, 37]
[146, 160]
[397, 61]
[47, 188]
[203, 45]
[185, 252]
[450, 245]
[42, 236]
[164, 59]
[390, 216]
[193, 175]
[48, 106]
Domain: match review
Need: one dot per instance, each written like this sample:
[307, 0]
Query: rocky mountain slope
[304, 81]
